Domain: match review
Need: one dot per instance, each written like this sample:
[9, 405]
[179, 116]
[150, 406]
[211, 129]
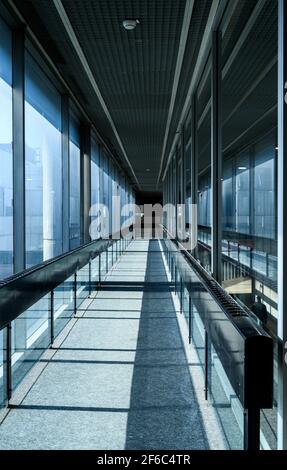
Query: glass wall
[264, 186]
[6, 156]
[122, 195]
[30, 338]
[173, 194]
[249, 166]
[43, 183]
[187, 166]
[203, 139]
[242, 192]
[105, 191]
[43, 166]
[95, 173]
[3, 394]
[75, 183]
[113, 192]
[95, 182]
[249, 169]
[249, 100]
[228, 191]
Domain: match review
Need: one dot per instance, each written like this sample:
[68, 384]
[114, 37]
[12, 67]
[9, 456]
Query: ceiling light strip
[74, 40]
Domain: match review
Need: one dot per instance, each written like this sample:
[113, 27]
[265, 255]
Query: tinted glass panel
[6, 156]
[43, 166]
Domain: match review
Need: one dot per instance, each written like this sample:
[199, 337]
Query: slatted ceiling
[46, 24]
[134, 70]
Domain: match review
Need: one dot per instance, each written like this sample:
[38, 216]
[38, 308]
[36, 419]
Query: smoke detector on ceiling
[130, 24]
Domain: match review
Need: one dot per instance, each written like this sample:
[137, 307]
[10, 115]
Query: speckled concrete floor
[121, 378]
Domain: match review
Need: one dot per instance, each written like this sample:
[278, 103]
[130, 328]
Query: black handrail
[24, 289]
[243, 347]
[249, 271]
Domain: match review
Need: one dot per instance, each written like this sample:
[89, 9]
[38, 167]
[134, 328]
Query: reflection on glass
[187, 201]
[106, 192]
[30, 338]
[249, 113]
[6, 156]
[82, 284]
[43, 166]
[228, 408]
[75, 182]
[203, 137]
[95, 182]
[2, 370]
[95, 272]
[123, 196]
[63, 304]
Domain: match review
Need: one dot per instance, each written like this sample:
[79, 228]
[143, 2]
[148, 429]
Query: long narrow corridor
[121, 378]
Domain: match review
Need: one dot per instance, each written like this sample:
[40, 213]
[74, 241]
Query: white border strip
[73, 38]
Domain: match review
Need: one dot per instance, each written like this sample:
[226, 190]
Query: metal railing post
[175, 279]
[181, 296]
[189, 320]
[100, 268]
[75, 293]
[52, 334]
[9, 384]
[206, 368]
[251, 435]
[90, 278]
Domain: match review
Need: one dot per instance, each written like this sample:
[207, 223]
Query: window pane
[106, 195]
[75, 158]
[95, 186]
[30, 338]
[249, 113]
[6, 156]
[265, 187]
[227, 198]
[203, 139]
[243, 193]
[43, 166]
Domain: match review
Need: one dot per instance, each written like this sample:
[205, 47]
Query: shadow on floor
[164, 413]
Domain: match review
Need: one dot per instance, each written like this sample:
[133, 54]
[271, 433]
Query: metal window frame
[85, 182]
[19, 196]
[216, 154]
[282, 225]
[18, 113]
[21, 39]
[65, 103]
[194, 174]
